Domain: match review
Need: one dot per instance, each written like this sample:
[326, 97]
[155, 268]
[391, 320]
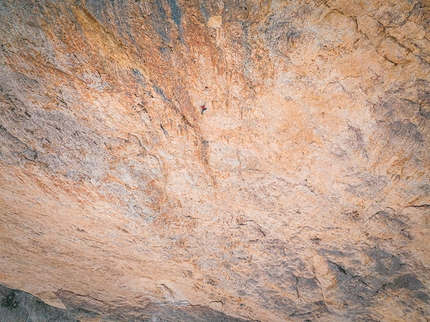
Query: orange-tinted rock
[301, 193]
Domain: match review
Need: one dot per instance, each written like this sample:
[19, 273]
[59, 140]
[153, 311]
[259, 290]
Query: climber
[203, 107]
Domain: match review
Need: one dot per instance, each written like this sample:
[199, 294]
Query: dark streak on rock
[340, 268]
[160, 92]
[164, 131]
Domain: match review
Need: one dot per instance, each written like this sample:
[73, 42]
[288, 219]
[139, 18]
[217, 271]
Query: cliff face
[302, 192]
[19, 306]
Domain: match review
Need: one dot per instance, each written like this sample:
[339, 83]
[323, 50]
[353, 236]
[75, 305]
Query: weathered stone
[301, 193]
[16, 305]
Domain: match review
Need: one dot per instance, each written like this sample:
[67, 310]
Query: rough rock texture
[18, 306]
[302, 193]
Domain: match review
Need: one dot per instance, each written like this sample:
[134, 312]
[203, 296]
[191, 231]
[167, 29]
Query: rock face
[16, 305]
[301, 193]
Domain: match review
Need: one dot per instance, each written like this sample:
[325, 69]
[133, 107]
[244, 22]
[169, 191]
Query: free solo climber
[203, 107]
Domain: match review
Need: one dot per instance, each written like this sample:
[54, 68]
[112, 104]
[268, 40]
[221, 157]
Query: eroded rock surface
[302, 193]
[16, 306]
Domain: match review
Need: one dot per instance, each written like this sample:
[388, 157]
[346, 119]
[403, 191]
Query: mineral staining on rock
[302, 192]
